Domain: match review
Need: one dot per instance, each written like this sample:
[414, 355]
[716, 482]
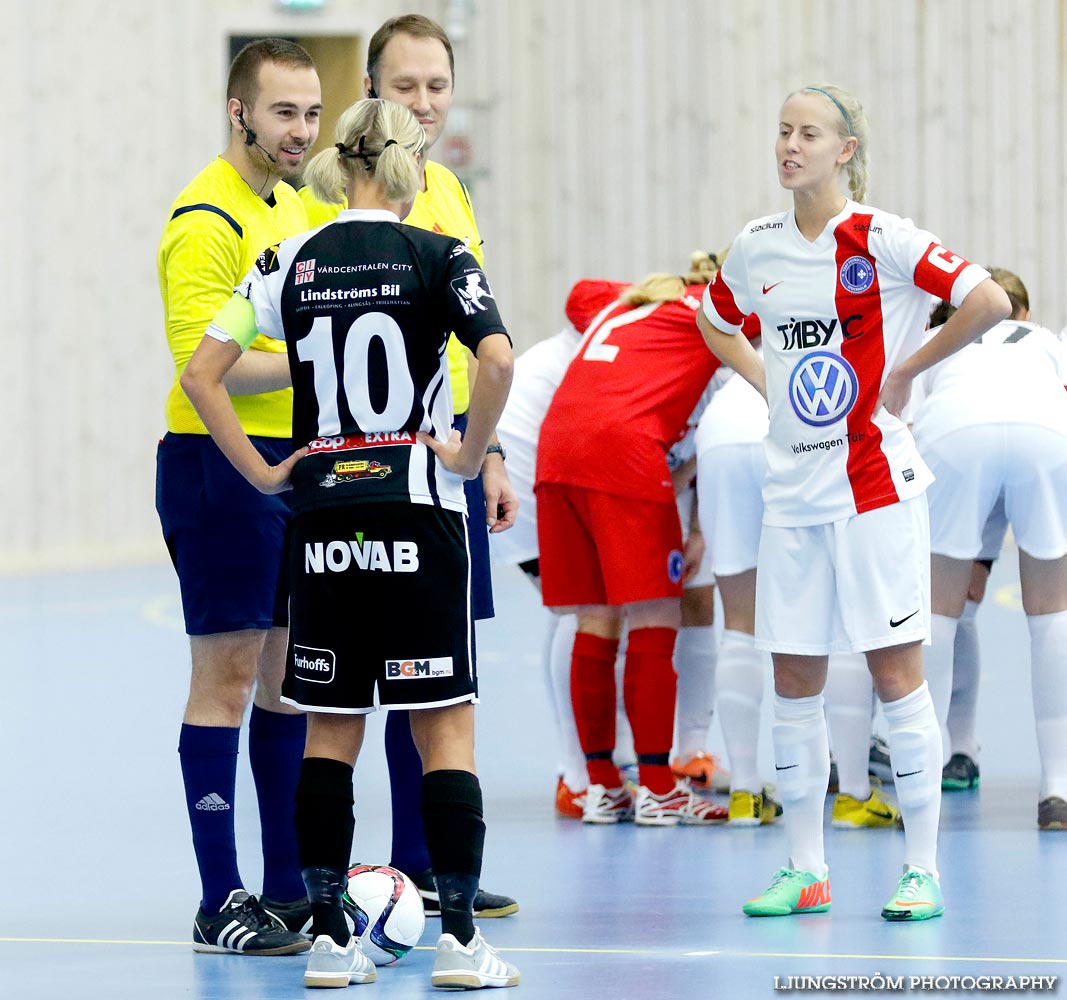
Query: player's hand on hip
[895, 392]
[451, 455]
[276, 478]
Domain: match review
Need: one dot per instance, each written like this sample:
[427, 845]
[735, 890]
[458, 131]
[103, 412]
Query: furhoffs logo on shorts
[315, 665]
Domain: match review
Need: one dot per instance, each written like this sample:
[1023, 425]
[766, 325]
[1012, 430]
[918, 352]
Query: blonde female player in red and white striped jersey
[842, 293]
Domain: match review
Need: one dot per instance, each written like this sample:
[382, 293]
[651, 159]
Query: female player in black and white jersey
[991, 422]
[378, 558]
[842, 293]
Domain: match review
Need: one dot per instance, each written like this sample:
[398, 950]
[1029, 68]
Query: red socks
[593, 698]
[649, 688]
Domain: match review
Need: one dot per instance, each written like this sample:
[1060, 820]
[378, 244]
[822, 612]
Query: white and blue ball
[388, 911]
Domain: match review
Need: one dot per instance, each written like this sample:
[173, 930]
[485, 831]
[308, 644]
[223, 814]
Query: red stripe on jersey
[938, 270]
[723, 300]
[867, 466]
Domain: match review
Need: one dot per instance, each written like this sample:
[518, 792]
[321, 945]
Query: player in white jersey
[842, 293]
[992, 423]
[730, 472]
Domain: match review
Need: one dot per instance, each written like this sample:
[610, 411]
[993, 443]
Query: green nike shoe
[918, 897]
[791, 891]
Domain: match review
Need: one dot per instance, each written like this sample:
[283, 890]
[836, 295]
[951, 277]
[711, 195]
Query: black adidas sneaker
[486, 904]
[296, 916]
[244, 927]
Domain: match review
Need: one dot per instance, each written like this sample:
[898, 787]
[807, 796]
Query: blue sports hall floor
[99, 888]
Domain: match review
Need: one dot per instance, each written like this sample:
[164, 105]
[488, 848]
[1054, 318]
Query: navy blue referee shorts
[226, 539]
[478, 540]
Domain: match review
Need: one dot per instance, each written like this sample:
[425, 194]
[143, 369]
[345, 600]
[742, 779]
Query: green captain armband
[237, 321]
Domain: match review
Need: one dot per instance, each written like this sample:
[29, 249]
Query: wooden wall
[608, 137]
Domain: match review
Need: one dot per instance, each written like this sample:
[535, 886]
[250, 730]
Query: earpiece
[250, 136]
[250, 133]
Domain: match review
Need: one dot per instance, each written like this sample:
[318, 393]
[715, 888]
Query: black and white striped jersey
[366, 306]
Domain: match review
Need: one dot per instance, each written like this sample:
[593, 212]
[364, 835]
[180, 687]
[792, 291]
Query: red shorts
[600, 548]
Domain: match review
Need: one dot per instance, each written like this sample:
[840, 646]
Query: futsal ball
[388, 911]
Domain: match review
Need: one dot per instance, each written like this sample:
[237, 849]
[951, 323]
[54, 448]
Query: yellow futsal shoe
[875, 813]
[752, 809]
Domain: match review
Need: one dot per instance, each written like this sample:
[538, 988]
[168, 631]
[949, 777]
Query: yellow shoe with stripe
[874, 813]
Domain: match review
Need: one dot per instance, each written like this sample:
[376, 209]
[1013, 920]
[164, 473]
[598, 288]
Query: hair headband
[840, 107]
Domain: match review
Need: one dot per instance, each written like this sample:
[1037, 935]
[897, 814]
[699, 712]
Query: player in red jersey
[842, 293]
[609, 534]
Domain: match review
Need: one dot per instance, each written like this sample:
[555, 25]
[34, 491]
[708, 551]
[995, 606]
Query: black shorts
[380, 612]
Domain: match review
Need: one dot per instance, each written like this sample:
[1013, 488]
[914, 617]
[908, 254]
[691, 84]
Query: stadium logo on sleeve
[267, 262]
[857, 275]
[822, 388]
[305, 271]
[471, 289]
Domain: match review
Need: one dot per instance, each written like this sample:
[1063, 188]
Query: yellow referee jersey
[444, 207]
[217, 228]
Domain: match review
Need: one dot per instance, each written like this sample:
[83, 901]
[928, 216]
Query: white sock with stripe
[916, 756]
[802, 769]
[1048, 646]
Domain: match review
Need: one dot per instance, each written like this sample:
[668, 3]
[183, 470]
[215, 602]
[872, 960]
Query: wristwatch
[497, 449]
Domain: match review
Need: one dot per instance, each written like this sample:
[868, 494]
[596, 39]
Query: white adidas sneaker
[331, 965]
[470, 967]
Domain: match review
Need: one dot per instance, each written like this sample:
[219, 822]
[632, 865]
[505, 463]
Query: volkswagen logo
[822, 388]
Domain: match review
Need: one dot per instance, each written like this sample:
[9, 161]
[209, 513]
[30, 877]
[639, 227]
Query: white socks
[559, 644]
[937, 669]
[966, 667]
[916, 755]
[848, 714]
[695, 657]
[802, 770]
[739, 680]
[1048, 649]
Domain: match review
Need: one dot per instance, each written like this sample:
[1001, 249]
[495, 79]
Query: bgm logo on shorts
[857, 275]
[406, 670]
[315, 665]
[675, 566]
[822, 388]
[470, 290]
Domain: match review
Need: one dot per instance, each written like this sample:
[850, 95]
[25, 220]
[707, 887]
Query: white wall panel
[610, 137]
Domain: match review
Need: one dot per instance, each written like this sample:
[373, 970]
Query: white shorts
[996, 527]
[1026, 464]
[730, 487]
[703, 576]
[849, 586]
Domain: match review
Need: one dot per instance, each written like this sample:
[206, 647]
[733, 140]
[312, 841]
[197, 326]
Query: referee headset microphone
[250, 135]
